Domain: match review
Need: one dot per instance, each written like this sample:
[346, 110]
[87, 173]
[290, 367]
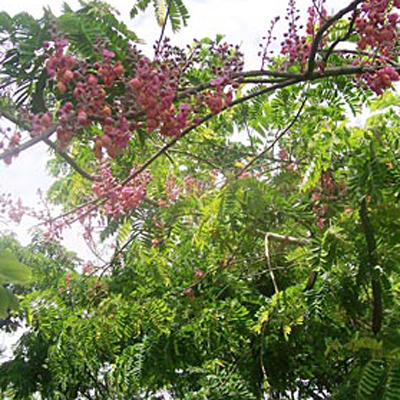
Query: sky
[242, 22]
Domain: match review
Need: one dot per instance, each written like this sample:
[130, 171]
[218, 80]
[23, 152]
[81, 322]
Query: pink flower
[321, 223]
[107, 54]
[88, 268]
[184, 107]
[68, 278]
[218, 81]
[188, 291]
[198, 273]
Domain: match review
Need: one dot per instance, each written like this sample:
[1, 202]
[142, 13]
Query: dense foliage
[243, 268]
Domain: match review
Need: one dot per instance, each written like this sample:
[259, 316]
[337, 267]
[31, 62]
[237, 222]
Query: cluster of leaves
[11, 272]
[174, 10]
[250, 268]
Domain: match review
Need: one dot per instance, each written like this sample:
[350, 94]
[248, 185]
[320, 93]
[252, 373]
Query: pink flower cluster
[88, 89]
[11, 143]
[107, 70]
[381, 80]
[377, 26]
[316, 17]
[155, 87]
[217, 99]
[190, 186]
[120, 199]
[297, 47]
[59, 64]
[293, 46]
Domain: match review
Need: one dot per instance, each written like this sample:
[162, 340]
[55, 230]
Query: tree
[243, 269]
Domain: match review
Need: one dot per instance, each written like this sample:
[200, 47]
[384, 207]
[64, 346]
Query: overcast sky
[242, 21]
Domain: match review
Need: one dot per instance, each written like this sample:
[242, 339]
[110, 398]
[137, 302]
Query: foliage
[11, 272]
[243, 268]
[174, 10]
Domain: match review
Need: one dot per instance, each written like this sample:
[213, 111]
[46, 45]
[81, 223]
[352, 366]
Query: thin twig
[29, 143]
[269, 264]
[268, 148]
[195, 156]
[287, 239]
[164, 26]
[263, 369]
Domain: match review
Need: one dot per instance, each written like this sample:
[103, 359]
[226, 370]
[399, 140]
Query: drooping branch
[269, 263]
[373, 263]
[282, 239]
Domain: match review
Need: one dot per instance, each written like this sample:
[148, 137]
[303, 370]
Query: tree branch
[292, 78]
[72, 163]
[340, 71]
[269, 263]
[268, 148]
[201, 122]
[164, 26]
[46, 139]
[318, 37]
[287, 239]
[341, 39]
[373, 262]
[196, 157]
[29, 143]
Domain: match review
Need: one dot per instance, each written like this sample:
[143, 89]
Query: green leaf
[7, 301]
[12, 271]
[371, 378]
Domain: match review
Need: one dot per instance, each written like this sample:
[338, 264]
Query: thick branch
[324, 28]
